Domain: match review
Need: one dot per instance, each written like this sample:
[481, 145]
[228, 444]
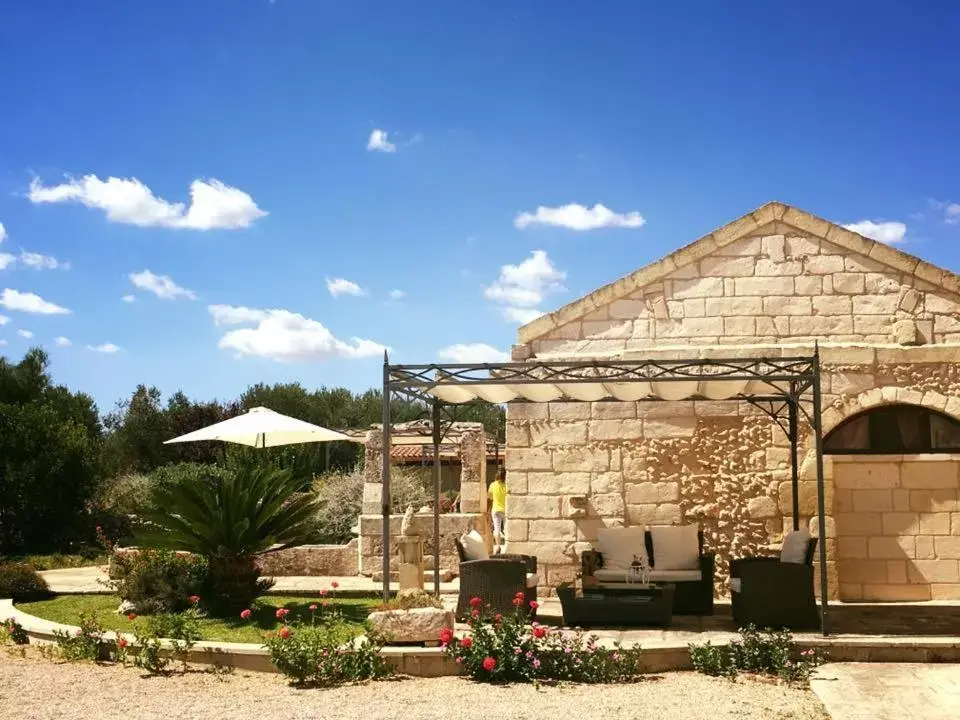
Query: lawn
[66, 609]
[56, 561]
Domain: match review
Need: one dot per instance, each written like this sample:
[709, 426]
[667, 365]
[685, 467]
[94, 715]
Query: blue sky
[408, 147]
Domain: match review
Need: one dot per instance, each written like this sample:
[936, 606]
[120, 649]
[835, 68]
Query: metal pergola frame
[790, 385]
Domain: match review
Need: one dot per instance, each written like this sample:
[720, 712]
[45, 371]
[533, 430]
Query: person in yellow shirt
[497, 493]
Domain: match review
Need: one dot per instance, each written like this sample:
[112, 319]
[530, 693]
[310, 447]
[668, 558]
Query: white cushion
[474, 548]
[676, 547]
[794, 548]
[735, 584]
[610, 577]
[619, 545]
[670, 576]
[532, 580]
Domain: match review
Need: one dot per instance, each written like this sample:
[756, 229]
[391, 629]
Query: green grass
[56, 561]
[66, 609]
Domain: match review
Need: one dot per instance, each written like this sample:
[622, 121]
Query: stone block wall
[316, 560]
[780, 284]
[898, 526]
[370, 549]
[573, 468]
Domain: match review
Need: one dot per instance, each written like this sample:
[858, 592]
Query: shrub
[340, 497]
[158, 580]
[85, 643]
[772, 653]
[12, 631]
[410, 600]
[508, 648]
[322, 655]
[181, 629]
[21, 583]
[118, 502]
[230, 519]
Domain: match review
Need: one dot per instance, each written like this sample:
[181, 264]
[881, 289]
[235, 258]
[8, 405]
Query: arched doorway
[897, 503]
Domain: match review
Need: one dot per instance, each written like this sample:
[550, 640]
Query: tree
[50, 444]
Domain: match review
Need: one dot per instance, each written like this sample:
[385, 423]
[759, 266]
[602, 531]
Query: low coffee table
[617, 606]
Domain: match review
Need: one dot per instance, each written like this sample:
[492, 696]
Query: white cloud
[42, 262]
[579, 217]
[397, 294]
[473, 353]
[286, 336]
[521, 315]
[881, 230]
[62, 342]
[162, 286]
[3, 233]
[129, 298]
[378, 142]
[523, 287]
[6, 260]
[3, 342]
[106, 348]
[30, 303]
[232, 315]
[4, 319]
[213, 205]
[340, 286]
[950, 211]
[25, 334]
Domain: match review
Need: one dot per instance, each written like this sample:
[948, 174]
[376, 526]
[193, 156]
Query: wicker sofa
[776, 591]
[693, 594]
[495, 580]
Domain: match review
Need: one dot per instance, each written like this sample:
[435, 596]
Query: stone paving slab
[889, 691]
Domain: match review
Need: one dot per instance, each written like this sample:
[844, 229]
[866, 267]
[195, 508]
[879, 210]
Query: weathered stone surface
[762, 507]
[417, 625]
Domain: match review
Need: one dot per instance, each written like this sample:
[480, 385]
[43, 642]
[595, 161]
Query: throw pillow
[794, 548]
[619, 545]
[676, 547]
[473, 546]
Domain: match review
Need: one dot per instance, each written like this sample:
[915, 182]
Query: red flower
[539, 632]
[131, 617]
[489, 664]
[520, 595]
[282, 613]
[517, 601]
[475, 614]
[312, 608]
[534, 604]
[284, 632]
[245, 614]
[194, 599]
[497, 618]
[475, 602]
[446, 635]
[122, 642]
[323, 593]
[334, 584]
[467, 642]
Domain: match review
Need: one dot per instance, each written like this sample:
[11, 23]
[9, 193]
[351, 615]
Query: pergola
[785, 388]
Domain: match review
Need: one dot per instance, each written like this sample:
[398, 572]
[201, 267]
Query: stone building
[772, 282]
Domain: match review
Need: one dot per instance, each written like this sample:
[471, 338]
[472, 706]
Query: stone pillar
[473, 479]
[410, 550]
[372, 472]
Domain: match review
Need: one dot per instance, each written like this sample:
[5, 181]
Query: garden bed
[66, 609]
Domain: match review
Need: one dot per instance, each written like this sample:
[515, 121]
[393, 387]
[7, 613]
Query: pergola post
[385, 479]
[435, 425]
[794, 467]
[817, 423]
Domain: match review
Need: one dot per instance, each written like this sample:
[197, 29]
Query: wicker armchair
[769, 593]
[495, 580]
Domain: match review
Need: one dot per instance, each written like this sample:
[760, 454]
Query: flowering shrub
[772, 653]
[324, 651]
[85, 643]
[157, 580]
[181, 629]
[12, 631]
[508, 648]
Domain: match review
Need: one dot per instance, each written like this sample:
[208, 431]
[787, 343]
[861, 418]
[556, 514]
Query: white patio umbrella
[261, 427]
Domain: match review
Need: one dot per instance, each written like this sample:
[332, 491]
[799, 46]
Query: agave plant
[230, 518]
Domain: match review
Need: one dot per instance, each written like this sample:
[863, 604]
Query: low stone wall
[316, 560]
[452, 525]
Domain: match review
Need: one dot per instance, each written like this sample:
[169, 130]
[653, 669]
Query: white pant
[498, 520]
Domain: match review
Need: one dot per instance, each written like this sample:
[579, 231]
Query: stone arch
[888, 395]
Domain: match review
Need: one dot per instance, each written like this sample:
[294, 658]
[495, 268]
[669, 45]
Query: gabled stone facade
[773, 282]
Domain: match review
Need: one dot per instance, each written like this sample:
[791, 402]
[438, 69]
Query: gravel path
[34, 688]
